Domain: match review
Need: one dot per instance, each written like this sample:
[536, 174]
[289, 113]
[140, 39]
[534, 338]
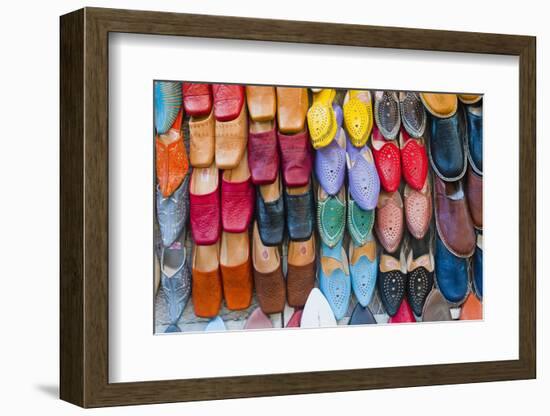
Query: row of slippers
[227, 271]
[317, 314]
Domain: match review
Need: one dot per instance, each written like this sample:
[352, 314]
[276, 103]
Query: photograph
[302, 207]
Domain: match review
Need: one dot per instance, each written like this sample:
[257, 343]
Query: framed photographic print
[257, 207]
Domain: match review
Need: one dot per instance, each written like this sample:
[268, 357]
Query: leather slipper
[295, 319]
[296, 158]
[391, 282]
[440, 105]
[331, 216]
[321, 118]
[413, 114]
[364, 182]
[334, 278]
[418, 210]
[361, 315]
[215, 325]
[414, 160]
[292, 105]
[363, 264]
[469, 98]
[258, 320]
[228, 101]
[436, 308]
[330, 164]
[197, 99]
[358, 117]
[387, 158]
[300, 276]
[420, 273]
[171, 158]
[237, 199]
[236, 270]
[270, 213]
[231, 139]
[389, 220]
[262, 103]
[207, 285]
[167, 104]
[404, 314]
[268, 275]
[202, 134]
[204, 199]
[472, 309]
[317, 312]
[387, 113]
[263, 154]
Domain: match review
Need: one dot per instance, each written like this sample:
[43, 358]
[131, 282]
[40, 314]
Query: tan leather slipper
[440, 105]
[231, 140]
[261, 103]
[202, 140]
[292, 106]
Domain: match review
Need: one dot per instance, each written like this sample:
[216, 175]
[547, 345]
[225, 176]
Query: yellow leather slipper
[358, 116]
[440, 105]
[321, 118]
[469, 98]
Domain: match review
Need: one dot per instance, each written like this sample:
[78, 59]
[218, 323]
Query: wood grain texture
[84, 206]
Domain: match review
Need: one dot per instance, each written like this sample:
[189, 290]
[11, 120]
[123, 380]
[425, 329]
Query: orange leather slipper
[292, 105]
[472, 309]
[236, 270]
[207, 284]
[171, 158]
[261, 103]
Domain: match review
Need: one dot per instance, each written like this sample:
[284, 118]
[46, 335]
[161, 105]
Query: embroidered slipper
[363, 264]
[237, 198]
[418, 210]
[171, 158]
[387, 114]
[231, 140]
[202, 139]
[262, 103]
[364, 183]
[268, 275]
[292, 105]
[204, 201]
[440, 105]
[236, 269]
[330, 164]
[392, 282]
[387, 158]
[300, 276]
[414, 160]
[358, 116]
[413, 114]
[321, 118]
[228, 101]
[317, 312]
[172, 212]
[331, 216]
[360, 221]
[334, 278]
[404, 314]
[389, 220]
[197, 99]
[207, 284]
[258, 320]
[263, 155]
[167, 102]
[420, 273]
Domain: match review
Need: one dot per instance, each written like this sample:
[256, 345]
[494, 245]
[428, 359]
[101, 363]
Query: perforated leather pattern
[419, 284]
[330, 167]
[387, 115]
[364, 183]
[358, 119]
[415, 164]
[205, 218]
[363, 279]
[418, 212]
[391, 287]
[237, 205]
[360, 222]
[299, 280]
[331, 220]
[413, 115]
[388, 164]
[176, 291]
[322, 125]
[337, 290]
[389, 226]
[270, 289]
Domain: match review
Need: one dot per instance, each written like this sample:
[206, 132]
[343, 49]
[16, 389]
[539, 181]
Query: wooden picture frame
[84, 207]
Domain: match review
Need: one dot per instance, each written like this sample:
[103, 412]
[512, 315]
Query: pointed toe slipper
[360, 221]
[292, 105]
[207, 285]
[321, 118]
[172, 212]
[391, 282]
[414, 160]
[167, 101]
[361, 315]
[263, 155]
[295, 319]
[364, 183]
[358, 116]
[440, 105]
[262, 103]
[215, 325]
[237, 198]
[204, 201]
[197, 99]
[236, 270]
[389, 220]
[228, 101]
[413, 114]
[404, 314]
[258, 320]
[420, 274]
[387, 158]
[363, 264]
[331, 216]
[300, 277]
[418, 210]
[231, 140]
[334, 278]
[317, 312]
[387, 113]
[330, 164]
[175, 281]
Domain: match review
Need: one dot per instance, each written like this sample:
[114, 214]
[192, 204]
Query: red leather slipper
[237, 198]
[197, 99]
[387, 159]
[296, 156]
[404, 314]
[204, 201]
[263, 155]
[228, 101]
[414, 160]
